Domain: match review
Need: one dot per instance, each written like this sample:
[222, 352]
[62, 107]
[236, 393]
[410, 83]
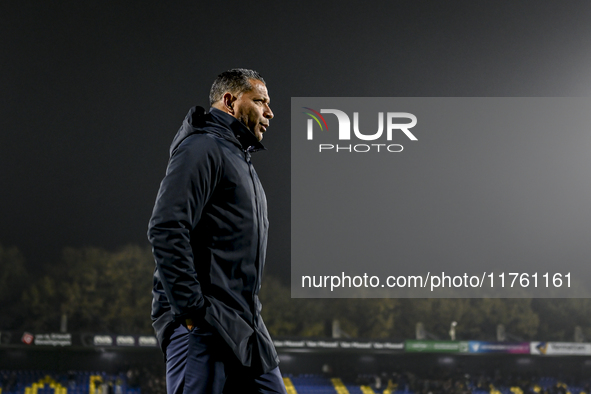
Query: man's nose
[268, 113]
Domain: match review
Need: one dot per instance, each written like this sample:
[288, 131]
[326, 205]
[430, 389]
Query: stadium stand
[352, 367]
[406, 383]
[42, 382]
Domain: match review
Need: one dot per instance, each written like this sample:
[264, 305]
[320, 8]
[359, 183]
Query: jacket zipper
[258, 224]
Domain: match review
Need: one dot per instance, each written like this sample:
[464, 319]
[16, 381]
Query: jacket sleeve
[191, 176]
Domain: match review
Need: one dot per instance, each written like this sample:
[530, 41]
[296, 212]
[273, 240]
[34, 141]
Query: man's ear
[228, 99]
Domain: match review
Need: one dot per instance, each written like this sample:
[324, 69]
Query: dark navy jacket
[209, 237]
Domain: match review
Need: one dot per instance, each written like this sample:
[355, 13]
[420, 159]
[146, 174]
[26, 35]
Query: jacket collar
[245, 138]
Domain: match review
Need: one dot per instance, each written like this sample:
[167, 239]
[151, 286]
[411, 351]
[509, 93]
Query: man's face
[252, 108]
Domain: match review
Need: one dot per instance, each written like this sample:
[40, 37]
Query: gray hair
[235, 81]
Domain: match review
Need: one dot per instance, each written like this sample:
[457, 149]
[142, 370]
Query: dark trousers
[200, 362]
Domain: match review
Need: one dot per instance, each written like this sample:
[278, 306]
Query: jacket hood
[218, 123]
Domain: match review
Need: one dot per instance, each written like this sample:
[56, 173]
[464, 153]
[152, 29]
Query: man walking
[209, 236]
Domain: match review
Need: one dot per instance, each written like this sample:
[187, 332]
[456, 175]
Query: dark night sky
[93, 92]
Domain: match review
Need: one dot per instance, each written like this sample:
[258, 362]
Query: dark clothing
[192, 367]
[209, 237]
